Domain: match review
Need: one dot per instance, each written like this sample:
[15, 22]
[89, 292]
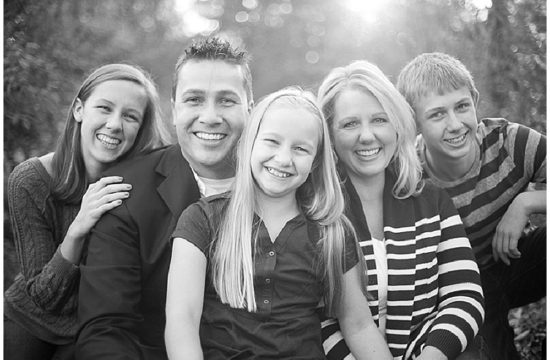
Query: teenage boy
[122, 292]
[485, 166]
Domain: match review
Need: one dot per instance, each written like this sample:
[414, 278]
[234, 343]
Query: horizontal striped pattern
[433, 280]
[511, 156]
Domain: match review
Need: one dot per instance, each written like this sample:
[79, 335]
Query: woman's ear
[78, 109]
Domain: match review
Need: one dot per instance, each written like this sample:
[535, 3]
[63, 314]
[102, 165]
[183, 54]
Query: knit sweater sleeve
[460, 310]
[48, 279]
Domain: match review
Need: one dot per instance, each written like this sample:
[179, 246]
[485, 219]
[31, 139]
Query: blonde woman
[423, 280]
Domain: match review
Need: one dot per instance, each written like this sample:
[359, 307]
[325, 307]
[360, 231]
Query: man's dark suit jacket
[122, 291]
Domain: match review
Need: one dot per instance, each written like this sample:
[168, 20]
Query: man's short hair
[215, 49]
[434, 73]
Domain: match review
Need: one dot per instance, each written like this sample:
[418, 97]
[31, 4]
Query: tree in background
[516, 66]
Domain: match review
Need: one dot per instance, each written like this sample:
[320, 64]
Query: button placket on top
[265, 268]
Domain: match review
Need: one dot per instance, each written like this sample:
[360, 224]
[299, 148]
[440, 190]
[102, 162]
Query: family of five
[296, 227]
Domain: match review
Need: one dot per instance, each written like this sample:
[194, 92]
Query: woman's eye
[349, 124]
[103, 107]
[380, 120]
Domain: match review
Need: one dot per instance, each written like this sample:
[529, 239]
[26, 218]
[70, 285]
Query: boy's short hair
[434, 72]
[215, 49]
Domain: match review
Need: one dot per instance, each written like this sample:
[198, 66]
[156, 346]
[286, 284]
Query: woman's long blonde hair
[320, 199]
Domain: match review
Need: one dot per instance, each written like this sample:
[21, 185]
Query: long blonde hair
[320, 198]
[365, 76]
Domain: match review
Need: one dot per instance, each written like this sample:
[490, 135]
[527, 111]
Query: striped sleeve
[334, 345]
[529, 150]
[460, 310]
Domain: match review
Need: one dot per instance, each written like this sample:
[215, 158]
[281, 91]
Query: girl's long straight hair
[320, 198]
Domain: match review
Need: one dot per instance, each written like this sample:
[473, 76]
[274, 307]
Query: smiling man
[122, 291]
[485, 167]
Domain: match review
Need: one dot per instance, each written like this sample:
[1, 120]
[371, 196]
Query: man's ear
[78, 109]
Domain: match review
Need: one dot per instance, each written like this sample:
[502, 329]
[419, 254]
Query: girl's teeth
[108, 141]
[277, 173]
[456, 140]
[368, 152]
[209, 136]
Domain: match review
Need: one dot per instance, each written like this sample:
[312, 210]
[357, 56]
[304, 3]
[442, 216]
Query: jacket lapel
[179, 188]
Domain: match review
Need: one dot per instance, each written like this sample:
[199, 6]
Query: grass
[529, 324]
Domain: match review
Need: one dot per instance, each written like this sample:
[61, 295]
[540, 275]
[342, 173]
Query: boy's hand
[508, 231]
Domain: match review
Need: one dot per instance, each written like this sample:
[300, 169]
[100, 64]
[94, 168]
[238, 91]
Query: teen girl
[249, 270]
[56, 199]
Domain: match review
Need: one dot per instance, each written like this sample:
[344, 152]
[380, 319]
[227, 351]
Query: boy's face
[448, 124]
[210, 108]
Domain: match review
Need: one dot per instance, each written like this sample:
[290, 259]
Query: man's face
[448, 124]
[210, 108]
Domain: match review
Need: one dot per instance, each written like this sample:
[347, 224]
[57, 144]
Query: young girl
[56, 199]
[255, 265]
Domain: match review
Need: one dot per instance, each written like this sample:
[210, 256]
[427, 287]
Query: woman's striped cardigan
[434, 290]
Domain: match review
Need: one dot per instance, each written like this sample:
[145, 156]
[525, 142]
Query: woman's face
[284, 150]
[110, 121]
[364, 139]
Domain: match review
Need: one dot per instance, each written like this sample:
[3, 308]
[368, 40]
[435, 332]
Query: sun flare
[369, 10]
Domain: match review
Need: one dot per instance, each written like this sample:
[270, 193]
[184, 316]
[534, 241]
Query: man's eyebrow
[192, 91]
[227, 92]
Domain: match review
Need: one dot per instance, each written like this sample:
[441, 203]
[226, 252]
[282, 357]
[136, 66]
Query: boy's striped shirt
[510, 157]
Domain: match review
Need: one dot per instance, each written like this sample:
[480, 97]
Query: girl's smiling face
[284, 150]
[110, 121]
